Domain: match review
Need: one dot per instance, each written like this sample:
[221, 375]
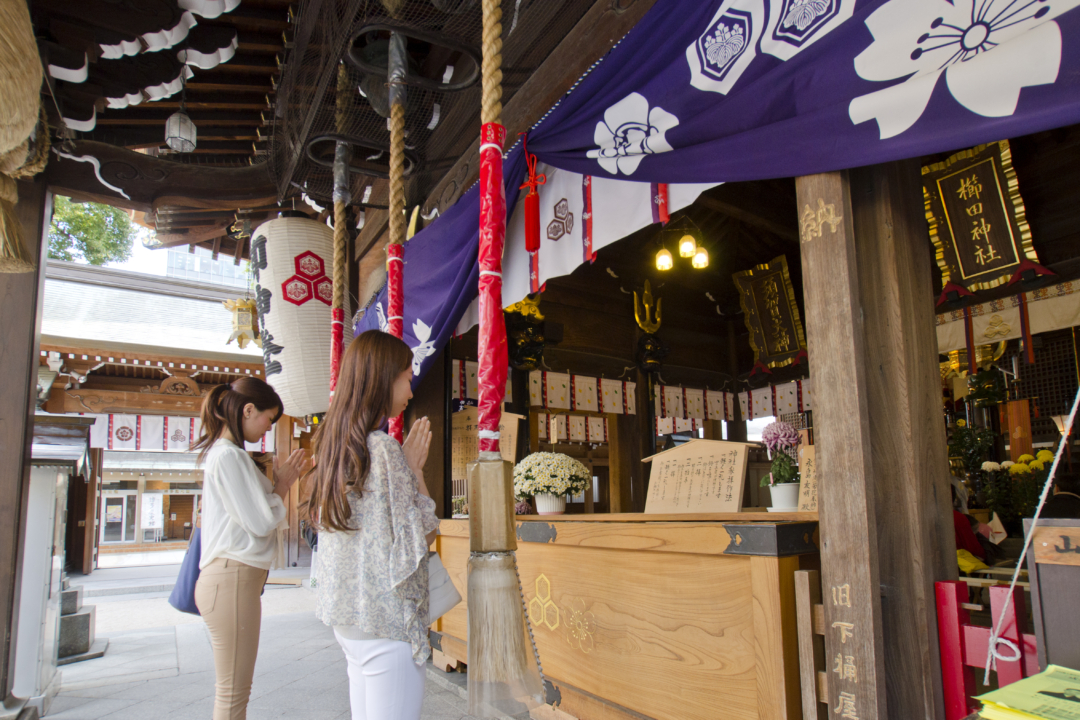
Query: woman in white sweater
[376, 521]
[243, 514]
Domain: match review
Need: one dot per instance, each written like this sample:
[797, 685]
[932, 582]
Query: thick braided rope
[341, 232]
[491, 67]
[397, 173]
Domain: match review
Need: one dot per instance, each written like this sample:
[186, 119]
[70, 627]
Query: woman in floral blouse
[375, 520]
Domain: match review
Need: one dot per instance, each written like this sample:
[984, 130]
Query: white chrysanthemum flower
[990, 466]
[551, 473]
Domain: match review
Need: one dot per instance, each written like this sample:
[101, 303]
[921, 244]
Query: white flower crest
[629, 132]
[381, 315]
[988, 51]
[425, 348]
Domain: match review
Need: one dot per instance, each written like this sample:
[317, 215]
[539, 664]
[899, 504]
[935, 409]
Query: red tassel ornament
[532, 201]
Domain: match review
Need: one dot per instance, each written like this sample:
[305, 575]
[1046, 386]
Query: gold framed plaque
[976, 217]
[771, 313]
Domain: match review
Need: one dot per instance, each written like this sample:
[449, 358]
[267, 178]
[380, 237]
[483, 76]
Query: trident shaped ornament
[651, 312]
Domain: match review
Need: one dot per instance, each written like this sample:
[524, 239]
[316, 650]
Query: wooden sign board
[808, 490]
[464, 445]
[700, 476]
[1056, 545]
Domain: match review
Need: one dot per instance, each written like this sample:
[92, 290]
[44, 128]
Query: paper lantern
[180, 132]
[291, 259]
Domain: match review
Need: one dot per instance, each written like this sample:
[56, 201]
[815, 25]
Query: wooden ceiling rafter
[235, 94]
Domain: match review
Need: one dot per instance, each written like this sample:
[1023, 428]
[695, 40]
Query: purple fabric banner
[734, 90]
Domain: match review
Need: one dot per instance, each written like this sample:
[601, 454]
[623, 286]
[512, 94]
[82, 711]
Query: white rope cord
[491, 272]
[992, 654]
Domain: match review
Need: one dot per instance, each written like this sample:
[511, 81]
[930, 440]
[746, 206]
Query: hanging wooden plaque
[770, 313]
[976, 217]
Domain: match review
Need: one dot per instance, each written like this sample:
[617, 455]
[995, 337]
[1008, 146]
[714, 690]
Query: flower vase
[785, 497]
[547, 504]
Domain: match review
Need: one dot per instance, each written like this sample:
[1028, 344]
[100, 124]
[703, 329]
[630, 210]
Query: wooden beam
[916, 540]
[203, 118]
[754, 204]
[885, 510]
[243, 63]
[21, 295]
[239, 85]
[191, 237]
[86, 400]
[846, 501]
[168, 362]
[151, 182]
[603, 25]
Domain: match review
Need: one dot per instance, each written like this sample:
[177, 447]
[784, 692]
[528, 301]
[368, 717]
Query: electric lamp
[701, 258]
[687, 246]
[664, 261]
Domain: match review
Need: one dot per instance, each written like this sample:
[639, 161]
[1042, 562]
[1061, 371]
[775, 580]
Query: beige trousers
[228, 597]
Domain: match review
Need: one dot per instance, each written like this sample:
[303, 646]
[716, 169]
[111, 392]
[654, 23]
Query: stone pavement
[168, 672]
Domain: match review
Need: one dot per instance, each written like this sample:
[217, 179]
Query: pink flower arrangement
[780, 436]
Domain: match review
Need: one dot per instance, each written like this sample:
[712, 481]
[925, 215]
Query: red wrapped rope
[492, 351]
[337, 324]
[395, 312]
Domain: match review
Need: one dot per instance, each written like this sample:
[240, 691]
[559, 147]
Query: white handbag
[442, 596]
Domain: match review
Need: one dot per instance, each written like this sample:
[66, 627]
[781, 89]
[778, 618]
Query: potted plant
[549, 478]
[782, 441]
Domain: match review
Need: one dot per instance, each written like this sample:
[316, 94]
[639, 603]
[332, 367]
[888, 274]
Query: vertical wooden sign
[808, 489]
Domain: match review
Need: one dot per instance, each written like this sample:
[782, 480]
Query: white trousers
[384, 682]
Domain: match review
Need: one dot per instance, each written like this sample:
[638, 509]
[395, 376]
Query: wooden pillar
[625, 469]
[645, 423]
[883, 500]
[430, 401]
[21, 297]
[737, 427]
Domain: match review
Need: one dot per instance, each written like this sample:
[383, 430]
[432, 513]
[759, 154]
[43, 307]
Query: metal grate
[1052, 381]
[439, 124]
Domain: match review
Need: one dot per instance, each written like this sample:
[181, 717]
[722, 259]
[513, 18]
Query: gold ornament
[652, 320]
[245, 322]
[528, 307]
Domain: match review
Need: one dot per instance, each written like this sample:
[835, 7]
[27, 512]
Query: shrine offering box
[699, 476]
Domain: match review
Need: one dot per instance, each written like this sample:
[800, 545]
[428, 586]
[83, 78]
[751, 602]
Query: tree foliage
[89, 232]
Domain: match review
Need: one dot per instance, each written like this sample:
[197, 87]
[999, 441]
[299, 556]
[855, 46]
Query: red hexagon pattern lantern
[290, 258]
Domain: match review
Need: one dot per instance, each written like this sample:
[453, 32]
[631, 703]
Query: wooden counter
[656, 617]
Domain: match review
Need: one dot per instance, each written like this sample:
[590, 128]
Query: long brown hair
[224, 408]
[363, 399]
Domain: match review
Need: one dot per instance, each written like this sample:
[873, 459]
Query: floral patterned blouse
[375, 577]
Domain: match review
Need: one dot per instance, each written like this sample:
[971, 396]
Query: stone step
[65, 583]
[96, 650]
[71, 600]
[77, 632]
